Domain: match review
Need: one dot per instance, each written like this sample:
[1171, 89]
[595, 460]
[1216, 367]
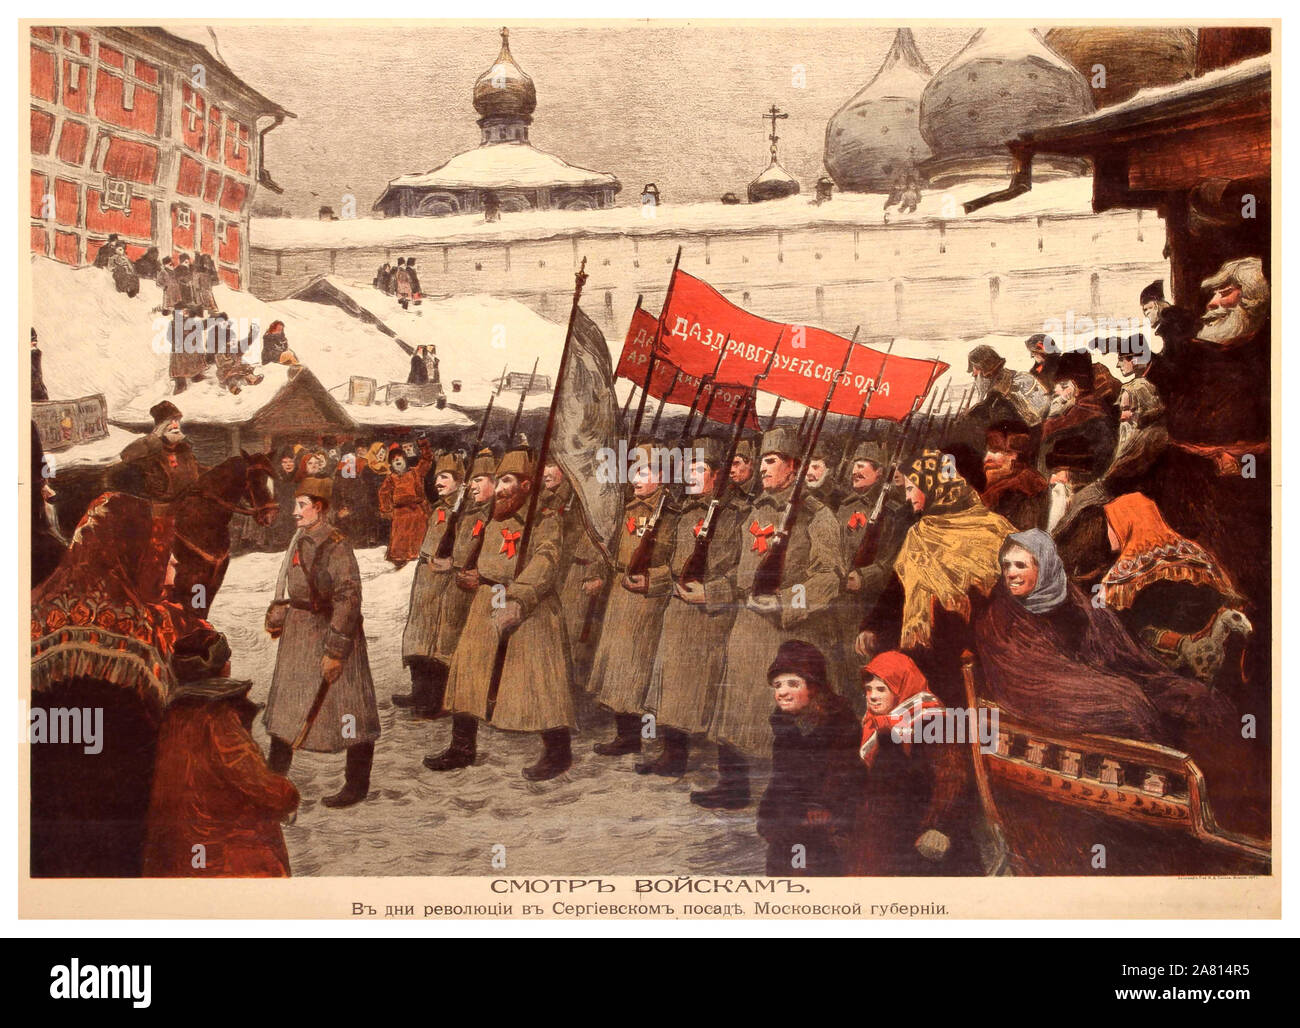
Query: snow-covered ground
[598, 818]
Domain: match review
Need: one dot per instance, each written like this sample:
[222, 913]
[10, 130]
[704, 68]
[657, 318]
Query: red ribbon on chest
[699, 525]
[857, 520]
[509, 541]
[478, 528]
[761, 536]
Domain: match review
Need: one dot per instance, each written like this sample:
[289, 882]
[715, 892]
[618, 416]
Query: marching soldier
[810, 582]
[534, 692]
[821, 473]
[642, 583]
[744, 476]
[688, 660]
[322, 650]
[454, 603]
[865, 582]
[579, 553]
[433, 576]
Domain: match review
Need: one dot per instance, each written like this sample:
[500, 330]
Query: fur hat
[710, 451]
[1154, 293]
[985, 359]
[796, 657]
[1076, 367]
[164, 411]
[782, 441]
[745, 448]
[518, 463]
[1010, 437]
[1071, 453]
[451, 462]
[485, 463]
[320, 488]
[873, 452]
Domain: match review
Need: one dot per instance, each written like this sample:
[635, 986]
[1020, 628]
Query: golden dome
[505, 90]
[1132, 58]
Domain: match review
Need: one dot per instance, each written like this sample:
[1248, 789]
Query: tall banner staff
[654, 352]
[499, 663]
[631, 385]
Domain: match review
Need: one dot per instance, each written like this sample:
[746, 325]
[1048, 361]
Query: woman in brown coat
[403, 501]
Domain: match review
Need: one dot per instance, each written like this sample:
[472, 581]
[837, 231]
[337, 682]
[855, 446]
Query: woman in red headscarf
[102, 632]
[915, 815]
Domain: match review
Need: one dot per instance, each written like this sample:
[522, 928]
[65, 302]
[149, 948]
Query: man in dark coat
[105, 253]
[1000, 395]
[146, 265]
[1218, 416]
[416, 294]
[39, 391]
[1079, 412]
[161, 465]
[419, 374]
[274, 343]
[125, 279]
[817, 778]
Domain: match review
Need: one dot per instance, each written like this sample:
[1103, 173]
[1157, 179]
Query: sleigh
[1081, 804]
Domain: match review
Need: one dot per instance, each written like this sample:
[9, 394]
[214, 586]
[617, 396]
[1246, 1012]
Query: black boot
[356, 782]
[428, 684]
[672, 761]
[557, 756]
[280, 757]
[732, 790]
[627, 738]
[418, 697]
[463, 748]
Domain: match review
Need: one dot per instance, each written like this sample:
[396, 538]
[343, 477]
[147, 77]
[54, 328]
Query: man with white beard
[1218, 414]
[1000, 395]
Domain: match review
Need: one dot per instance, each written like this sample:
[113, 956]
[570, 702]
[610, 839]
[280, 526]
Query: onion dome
[876, 136]
[1004, 82]
[505, 90]
[1131, 58]
[773, 184]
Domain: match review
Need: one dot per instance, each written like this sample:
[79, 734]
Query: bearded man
[1078, 412]
[1218, 414]
[161, 465]
[1013, 488]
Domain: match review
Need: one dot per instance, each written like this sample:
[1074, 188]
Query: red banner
[699, 321]
[671, 384]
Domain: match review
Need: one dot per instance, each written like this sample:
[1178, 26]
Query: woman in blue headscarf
[1054, 658]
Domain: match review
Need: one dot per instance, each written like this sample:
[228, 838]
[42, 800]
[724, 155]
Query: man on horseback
[161, 465]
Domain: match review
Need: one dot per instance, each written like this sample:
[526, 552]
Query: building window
[183, 217]
[117, 193]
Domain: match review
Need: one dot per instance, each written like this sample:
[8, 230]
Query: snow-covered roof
[504, 165]
[1067, 197]
[1246, 76]
[97, 453]
[207, 403]
[474, 336]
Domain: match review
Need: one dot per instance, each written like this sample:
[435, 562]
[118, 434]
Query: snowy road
[599, 818]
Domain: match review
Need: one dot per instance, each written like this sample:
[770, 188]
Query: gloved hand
[507, 618]
[933, 845]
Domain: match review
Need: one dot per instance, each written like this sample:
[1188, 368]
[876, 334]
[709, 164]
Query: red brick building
[139, 132]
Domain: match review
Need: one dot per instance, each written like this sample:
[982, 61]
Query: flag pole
[631, 385]
[498, 665]
[654, 352]
[663, 400]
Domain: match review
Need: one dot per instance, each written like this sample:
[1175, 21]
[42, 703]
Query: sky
[679, 105]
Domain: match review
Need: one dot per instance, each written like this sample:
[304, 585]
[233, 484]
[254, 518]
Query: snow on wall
[1071, 196]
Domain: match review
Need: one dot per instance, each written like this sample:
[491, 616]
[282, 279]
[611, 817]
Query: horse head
[242, 485]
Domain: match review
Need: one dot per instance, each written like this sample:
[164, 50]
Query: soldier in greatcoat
[811, 579]
[316, 615]
[579, 553]
[433, 576]
[691, 650]
[519, 604]
[864, 585]
[620, 669]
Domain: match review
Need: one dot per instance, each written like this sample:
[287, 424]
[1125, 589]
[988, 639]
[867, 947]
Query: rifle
[866, 551]
[847, 461]
[482, 425]
[654, 350]
[654, 425]
[776, 409]
[639, 562]
[697, 564]
[631, 385]
[705, 383]
[768, 574]
[519, 411]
